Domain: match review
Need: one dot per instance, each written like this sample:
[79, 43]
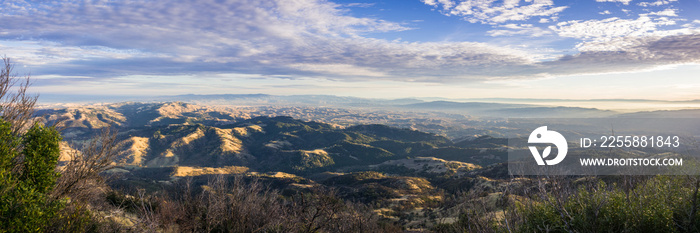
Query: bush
[622, 204]
[27, 176]
[34, 195]
[659, 204]
[228, 204]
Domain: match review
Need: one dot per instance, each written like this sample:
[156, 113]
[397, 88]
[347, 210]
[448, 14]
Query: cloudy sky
[585, 49]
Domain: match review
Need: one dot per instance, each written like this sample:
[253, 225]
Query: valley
[412, 167]
[397, 170]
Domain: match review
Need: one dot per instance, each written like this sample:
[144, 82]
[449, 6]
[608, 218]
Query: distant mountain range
[474, 108]
[481, 109]
[626, 105]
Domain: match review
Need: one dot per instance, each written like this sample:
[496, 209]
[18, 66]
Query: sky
[592, 49]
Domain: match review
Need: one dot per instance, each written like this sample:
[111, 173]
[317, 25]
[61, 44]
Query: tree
[36, 195]
[28, 159]
[41, 151]
[27, 176]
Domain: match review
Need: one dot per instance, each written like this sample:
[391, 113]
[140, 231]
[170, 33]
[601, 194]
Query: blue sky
[388, 49]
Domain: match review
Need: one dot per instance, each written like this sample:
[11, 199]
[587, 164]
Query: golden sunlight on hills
[134, 150]
[183, 171]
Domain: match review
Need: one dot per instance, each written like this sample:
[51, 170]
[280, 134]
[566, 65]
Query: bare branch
[16, 107]
[82, 173]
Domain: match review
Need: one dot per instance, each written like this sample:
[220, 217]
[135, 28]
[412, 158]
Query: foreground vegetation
[586, 204]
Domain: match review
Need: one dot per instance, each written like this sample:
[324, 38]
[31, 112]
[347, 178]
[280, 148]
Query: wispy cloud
[264, 37]
[356, 4]
[637, 53]
[607, 29]
[519, 29]
[616, 44]
[317, 38]
[656, 3]
[492, 11]
[626, 2]
[666, 12]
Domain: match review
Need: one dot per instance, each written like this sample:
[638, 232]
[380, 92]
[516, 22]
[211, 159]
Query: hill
[175, 134]
[400, 171]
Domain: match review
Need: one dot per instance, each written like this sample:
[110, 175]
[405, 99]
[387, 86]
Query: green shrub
[27, 177]
[659, 204]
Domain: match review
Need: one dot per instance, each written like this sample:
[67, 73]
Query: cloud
[446, 4]
[632, 53]
[626, 2]
[607, 29]
[615, 44]
[315, 38]
[339, 69]
[271, 37]
[146, 24]
[492, 11]
[519, 29]
[362, 5]
[656, 3]
[666, 12]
